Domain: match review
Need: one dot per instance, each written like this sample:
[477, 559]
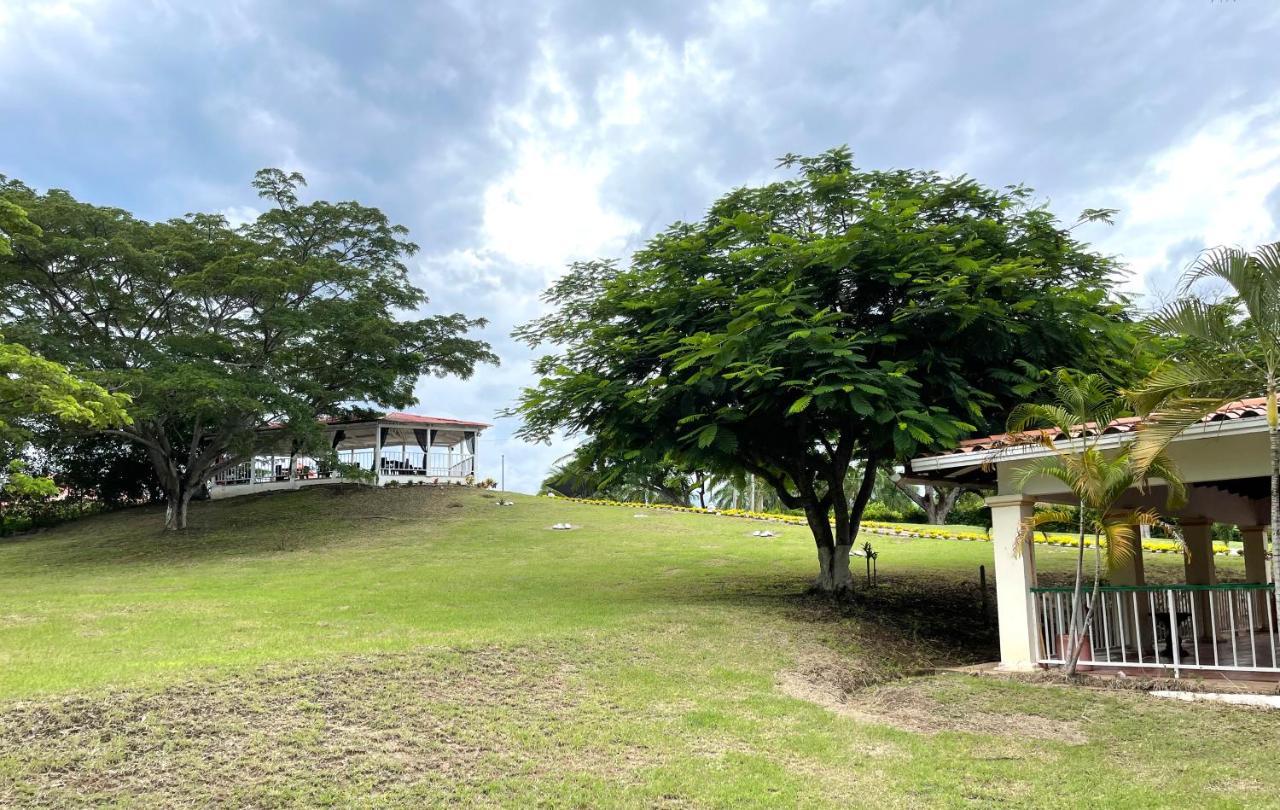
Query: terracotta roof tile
[397, 416]
[1240, 409]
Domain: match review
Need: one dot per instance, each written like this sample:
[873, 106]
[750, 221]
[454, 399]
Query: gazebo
[401, 447]
[1201, 625]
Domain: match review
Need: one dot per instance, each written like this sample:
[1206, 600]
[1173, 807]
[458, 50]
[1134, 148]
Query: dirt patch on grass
[425, 725]
[916, 704]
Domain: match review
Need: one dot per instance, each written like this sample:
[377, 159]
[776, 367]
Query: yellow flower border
[904, 530]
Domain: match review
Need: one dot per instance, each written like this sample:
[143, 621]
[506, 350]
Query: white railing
[1228, 627]
[415, 463]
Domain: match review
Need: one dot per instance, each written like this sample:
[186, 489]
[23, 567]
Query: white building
[402, 447]
[1201, 625]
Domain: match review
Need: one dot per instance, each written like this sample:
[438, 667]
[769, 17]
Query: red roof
[1240, 409]
[395, 416]
[419, 419]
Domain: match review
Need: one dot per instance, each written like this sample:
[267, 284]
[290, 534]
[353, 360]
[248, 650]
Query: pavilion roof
[1240, 409]
[397, 418]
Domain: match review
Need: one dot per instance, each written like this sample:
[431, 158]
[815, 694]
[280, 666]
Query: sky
[514, 138]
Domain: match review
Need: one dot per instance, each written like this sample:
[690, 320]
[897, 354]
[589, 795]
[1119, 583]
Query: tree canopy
[840, 314]
[215, 331]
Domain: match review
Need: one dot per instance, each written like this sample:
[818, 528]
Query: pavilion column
[1256, 570]
[1132, 573]
[1198, 565]
[1015, 570]
[1255, 553]
[377, 454]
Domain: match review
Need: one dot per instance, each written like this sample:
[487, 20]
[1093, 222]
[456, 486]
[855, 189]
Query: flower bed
[906, 530]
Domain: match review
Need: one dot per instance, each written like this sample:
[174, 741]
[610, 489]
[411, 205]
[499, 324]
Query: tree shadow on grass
[909, 621]
[267, 523]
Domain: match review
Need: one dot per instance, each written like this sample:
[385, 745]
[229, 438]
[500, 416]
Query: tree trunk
[833, 559]
[940, 504]
[937, 502]
[1075, 638]
[175, 513]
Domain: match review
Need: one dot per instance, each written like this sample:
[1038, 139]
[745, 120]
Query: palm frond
[1224, 378]
[1229, 264]
[1195, 318]
[1160, 428]
[1050, 467]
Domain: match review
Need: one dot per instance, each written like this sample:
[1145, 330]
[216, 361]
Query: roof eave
[1003, 455]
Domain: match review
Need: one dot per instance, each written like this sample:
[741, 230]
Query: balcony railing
[409, 463]
[1229, 627]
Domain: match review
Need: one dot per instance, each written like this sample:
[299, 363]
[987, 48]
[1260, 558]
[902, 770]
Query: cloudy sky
[515, 137]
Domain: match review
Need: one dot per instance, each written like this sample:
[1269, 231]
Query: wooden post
[982, 587]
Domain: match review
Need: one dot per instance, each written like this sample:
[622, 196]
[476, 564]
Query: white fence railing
[1173, 627]
[395, 462]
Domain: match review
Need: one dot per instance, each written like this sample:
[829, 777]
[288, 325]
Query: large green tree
[842, 314]
[216, 331]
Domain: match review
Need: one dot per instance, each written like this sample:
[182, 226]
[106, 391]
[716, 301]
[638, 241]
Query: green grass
[413, 647]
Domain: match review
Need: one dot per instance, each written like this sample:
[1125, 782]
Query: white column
[1015, 570]
[1198, 565]
[1131, 571]
[426, 458]
[377, 454]
[1255, 553]
[1137, 630]
[1255, 568]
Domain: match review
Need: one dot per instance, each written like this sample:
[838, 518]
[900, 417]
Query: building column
[1136, 626]
[1256, 570]
[1198, 566]
[377, 454]
[1015, 570]
[1255, 553]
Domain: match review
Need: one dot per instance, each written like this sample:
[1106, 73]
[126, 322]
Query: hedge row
[888, 529]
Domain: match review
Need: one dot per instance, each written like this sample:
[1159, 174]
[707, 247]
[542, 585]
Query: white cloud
[237, 215]
[547, 210]
[1212, 186]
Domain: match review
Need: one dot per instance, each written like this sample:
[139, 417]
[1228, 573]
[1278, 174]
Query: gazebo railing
[410, 463]
[1229, 627]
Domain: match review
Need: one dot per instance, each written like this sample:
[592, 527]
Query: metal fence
[1175, 627]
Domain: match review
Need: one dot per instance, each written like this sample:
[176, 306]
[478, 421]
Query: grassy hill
[339, 646]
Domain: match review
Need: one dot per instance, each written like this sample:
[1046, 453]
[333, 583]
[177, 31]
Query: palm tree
[1230, 351]
[1084, 404]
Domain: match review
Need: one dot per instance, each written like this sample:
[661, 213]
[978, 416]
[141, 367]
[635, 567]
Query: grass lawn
[410, 647]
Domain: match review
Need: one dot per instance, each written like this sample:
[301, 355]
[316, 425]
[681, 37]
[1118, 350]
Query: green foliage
[590, 472]
[840, 314]
[879, 511]
[17, 484]
[19, 493]
[970, 510]
[33, 387]
[216, 332]
[106, 469]
[13, 221]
